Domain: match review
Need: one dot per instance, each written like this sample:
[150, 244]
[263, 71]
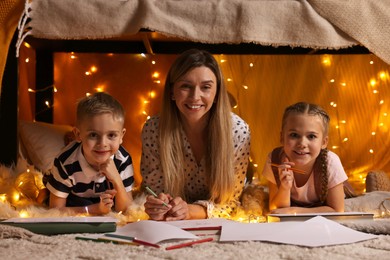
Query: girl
[303, 175]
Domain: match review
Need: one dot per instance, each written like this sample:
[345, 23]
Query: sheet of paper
[314, 232]
[198, 223]
[153, 231]
[63, 220]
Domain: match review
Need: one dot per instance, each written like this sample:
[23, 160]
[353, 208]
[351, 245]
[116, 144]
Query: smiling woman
[195, 154]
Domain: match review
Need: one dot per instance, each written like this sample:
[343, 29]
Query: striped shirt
[74, 179]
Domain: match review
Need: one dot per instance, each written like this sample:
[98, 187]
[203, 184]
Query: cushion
[43, 142]
[377, 181]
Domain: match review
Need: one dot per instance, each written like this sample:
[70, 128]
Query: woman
[196, 152]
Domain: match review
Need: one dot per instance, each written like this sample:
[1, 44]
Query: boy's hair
[99, 103]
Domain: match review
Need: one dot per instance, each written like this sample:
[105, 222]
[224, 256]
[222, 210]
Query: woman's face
[194, 94]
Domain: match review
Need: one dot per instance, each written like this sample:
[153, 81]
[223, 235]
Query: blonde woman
[195, 153]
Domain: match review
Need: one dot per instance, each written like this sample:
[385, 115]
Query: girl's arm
[278, 197]
[335, 203]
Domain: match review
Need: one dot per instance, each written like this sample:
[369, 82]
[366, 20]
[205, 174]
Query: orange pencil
[189, 243]
[293, 169]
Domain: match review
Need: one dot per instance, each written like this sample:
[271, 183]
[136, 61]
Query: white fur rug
[16, 243]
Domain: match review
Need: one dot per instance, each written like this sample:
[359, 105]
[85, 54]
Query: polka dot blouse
[196, 186]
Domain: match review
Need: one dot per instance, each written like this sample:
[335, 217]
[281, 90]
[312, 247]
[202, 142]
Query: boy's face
[100, 135]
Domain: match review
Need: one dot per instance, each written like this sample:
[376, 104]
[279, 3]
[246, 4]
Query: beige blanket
[319, 24]
[16, 243]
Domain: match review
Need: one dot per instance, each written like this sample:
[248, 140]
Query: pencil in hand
[151, 192]
[293, 169]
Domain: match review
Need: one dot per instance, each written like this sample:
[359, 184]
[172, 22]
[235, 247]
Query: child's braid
[324, 174]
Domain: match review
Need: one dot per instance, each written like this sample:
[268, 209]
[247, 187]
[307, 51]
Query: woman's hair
[219, 154]
[99, 103]
[321, 165]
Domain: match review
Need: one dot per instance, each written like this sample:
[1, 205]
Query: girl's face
[100, 135]
[194, 94]
[303, 138]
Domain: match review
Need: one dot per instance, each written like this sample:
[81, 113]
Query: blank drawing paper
[314, 232]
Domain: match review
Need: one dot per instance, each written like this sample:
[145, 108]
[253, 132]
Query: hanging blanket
[318, 24]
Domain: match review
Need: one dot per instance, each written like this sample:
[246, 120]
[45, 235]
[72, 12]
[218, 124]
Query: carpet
[17, 243]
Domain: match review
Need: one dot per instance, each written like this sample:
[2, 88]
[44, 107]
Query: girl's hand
[179, 210]
[286, 175]
[155, 207]
[106, 201]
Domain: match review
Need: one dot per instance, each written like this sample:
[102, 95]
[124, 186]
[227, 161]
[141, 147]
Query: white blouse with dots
[196, 188]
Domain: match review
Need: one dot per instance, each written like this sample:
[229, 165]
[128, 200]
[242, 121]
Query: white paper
[63, 220]
[153, 231]
[314, 232]
[198, 223]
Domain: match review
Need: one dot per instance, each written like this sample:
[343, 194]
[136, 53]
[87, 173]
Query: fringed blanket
[318, 24]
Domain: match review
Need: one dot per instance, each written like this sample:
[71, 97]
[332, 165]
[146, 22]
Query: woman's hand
[179, 211]
[106, 201]
[156, 207]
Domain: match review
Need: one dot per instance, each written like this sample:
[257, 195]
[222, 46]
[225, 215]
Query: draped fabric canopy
[318, 24]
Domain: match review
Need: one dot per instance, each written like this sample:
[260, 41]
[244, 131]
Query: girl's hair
[219, 159]
[99, 103]
[321, 165]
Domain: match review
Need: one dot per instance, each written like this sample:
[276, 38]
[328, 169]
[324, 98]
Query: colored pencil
[189, 243]
[151, 192]
[293, 169]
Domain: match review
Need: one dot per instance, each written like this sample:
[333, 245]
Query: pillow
[42, 142]
[377, 181]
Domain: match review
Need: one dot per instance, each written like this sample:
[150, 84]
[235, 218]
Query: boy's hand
[109, 170]
[106, 201]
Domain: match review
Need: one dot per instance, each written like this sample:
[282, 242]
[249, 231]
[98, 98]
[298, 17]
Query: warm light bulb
[343, 84]
[251, 65]
[245, 86]
[229, 79]
[152, 94]
[332, 81]
[87, 73]
[47, 103]
[55, 89]
[153, 62]
[371, 62]
[373, 133]
[3, 197]
[371, 150]
[23, 214]
[372, 82]
[156, 75]
[335, 147]
[345, 139]
[222, 61]
[381, 102]
[30, 90]
[27, 45]
[27, 60]
[93, 68]
[255, 165]
[375, 91]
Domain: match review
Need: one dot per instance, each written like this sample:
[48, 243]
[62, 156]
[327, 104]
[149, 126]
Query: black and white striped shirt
[74, 179]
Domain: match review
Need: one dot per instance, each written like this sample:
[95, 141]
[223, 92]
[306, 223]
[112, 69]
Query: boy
[94, 173]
